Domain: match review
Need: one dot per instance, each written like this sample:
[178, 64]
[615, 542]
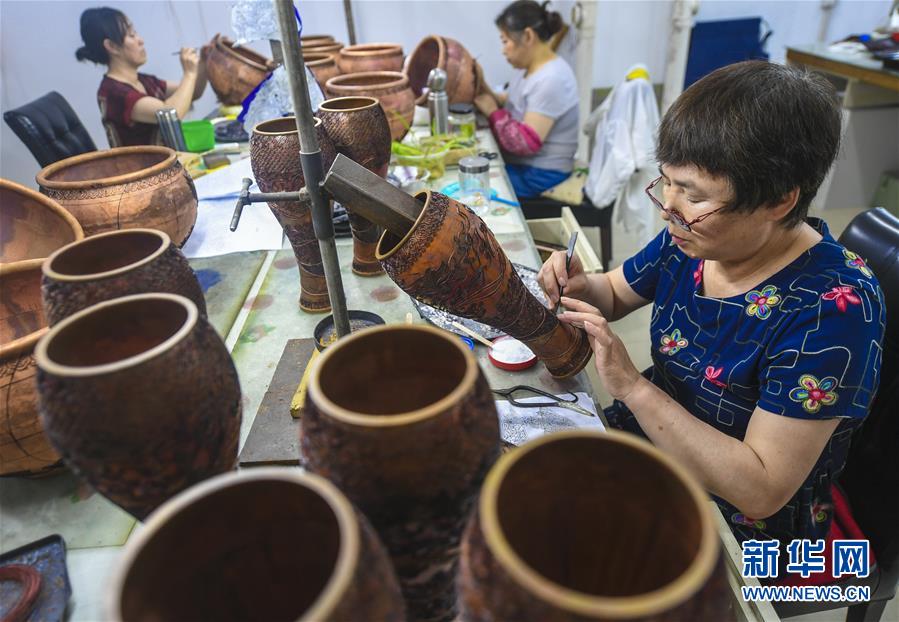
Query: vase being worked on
[370, 57]
[125, 188]
[113, 264]
[448, 54]
[402, 421]
[264, 544]
[449, 259]
[275, 159]
[390, 88]
[233, 71]
[322, 65]
[32, 227]
[140, 397]
[581, 525]
[359, 130]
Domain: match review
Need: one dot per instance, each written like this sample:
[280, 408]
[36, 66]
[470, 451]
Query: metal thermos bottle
[170, 129]
[438, 104]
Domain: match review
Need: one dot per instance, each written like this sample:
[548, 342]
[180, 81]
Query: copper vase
[580, 525]
[448, 54]
[264, 544]
[449, 259]
[390, 88]
[140, 397]
[24, 448]
[401, 419]
[233, 72]
[124, 188]
[113, 264]
[275, 159]
[370, 57]
[322, 65]
[32, 226]
[359, 130]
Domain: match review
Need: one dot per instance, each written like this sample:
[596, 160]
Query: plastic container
[198, 135]
[462, 120]
[474, 183]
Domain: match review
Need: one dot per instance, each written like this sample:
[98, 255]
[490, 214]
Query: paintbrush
[568, 254]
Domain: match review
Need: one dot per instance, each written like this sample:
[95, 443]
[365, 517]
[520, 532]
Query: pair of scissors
[553, 401]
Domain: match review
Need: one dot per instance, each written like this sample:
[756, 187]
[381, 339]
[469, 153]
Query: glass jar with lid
[474, 183]
[462, 120]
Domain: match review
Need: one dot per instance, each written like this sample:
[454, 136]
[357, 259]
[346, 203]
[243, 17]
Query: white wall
[38, 39]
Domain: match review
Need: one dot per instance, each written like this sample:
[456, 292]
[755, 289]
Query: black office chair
[50, 129]
[871, 476]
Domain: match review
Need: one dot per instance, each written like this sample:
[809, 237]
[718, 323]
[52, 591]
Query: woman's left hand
[613, 363]
[486, 104]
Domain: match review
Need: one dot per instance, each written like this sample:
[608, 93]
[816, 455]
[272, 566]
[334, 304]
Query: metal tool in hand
[552, 401]
[569, 253]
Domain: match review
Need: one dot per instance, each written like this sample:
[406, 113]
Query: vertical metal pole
[350, 24]
[311, 161]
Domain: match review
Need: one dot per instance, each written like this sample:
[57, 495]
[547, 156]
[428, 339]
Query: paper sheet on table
[519, 425]
[258, 229]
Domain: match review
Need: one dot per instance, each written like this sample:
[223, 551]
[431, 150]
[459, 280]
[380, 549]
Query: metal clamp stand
[311, 161]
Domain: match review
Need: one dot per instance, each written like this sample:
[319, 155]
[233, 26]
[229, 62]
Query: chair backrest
[871, 476]
[50, 129]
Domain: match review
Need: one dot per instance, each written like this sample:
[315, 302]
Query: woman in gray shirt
[536, 121]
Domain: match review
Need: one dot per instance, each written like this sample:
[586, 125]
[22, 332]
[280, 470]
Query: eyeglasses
[673, 213]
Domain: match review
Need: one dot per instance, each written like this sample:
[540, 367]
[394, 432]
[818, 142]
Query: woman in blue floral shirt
[766, 332]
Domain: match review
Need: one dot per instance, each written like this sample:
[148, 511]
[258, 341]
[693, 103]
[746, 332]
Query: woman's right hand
[552, 275]
[189, 60]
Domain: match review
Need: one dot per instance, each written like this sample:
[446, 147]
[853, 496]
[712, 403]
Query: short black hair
[766, 128]
[98, 25]
[523, 14]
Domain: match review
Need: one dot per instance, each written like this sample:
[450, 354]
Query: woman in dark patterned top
[129, 100]
[766, 332]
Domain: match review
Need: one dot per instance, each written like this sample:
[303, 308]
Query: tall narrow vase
[275, 159]
[270, 544]
[579, 525]
[449, 259]
[401, 419]
[140, 397]
[359, 130]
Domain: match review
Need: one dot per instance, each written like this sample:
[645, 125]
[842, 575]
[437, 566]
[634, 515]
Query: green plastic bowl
[198, 135]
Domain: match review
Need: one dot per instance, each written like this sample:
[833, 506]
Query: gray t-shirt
[550, 91]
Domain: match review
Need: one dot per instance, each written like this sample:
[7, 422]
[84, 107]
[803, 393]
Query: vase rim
[391, 79]
[50, 272]
[316, 37]
[330, 47]
[25, 343]
[370, 102]
[638, 606]
[371, 49]
[347, 554]
[43, 177]
[47, 202]
[429, 411]
[263, 132]
[314, 59]
[381, 255]
[47, 364]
